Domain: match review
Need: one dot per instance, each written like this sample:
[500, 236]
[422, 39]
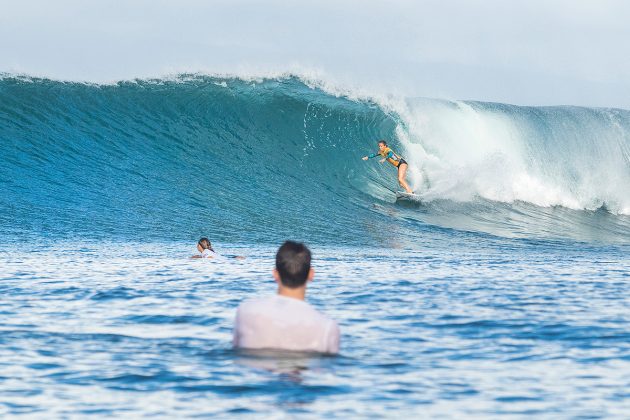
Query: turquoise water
[504, 294]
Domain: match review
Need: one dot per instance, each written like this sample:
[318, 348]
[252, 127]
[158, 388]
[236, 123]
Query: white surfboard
[409, 197]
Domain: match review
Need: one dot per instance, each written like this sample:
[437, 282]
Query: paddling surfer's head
[204, 244]
[293, 265]
[382, 145]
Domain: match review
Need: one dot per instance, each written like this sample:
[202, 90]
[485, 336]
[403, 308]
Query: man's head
[293, 265]
[382, 145]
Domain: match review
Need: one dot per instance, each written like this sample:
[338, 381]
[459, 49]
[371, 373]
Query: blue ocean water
[504, 293]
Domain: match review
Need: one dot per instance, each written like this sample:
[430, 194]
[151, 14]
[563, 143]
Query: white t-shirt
[207, 254]
[280, 322]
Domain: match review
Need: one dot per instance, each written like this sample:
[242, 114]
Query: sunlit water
[473, 329]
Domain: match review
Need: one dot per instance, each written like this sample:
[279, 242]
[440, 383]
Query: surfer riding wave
[395, 159]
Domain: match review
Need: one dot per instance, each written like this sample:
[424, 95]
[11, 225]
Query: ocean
[504, 293]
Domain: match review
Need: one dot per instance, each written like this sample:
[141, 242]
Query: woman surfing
[396, 160]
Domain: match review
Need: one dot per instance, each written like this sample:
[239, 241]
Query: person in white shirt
[206, 251]
[285, 321]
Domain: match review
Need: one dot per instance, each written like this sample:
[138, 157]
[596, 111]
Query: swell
[263, 160]
[248, 160]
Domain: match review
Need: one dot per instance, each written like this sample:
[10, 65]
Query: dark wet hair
[205, 244]
[293, 262]
[382, 141]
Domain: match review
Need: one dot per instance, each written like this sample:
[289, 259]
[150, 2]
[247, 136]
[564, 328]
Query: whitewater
[504, 293]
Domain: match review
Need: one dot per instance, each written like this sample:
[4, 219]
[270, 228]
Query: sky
[553, 52]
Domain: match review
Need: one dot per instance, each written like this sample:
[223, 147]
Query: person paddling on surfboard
[396, 160]
[206, 251]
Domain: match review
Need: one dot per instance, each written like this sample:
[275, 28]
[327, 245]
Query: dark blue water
[504, 294]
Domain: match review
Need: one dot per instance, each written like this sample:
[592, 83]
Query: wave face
[263, 160]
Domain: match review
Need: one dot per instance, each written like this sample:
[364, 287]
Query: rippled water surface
[479, 329]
